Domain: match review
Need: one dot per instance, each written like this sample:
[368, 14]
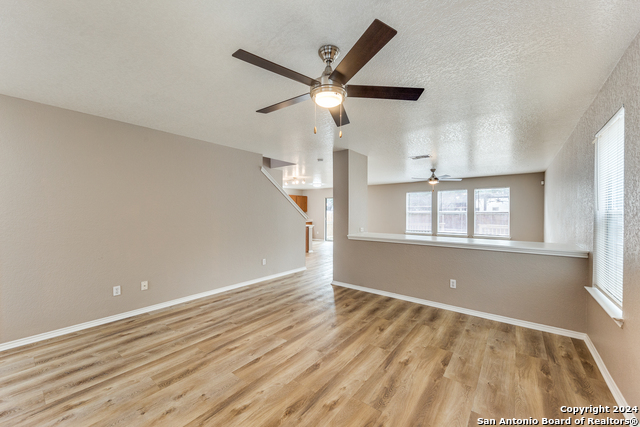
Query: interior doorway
[328, 219]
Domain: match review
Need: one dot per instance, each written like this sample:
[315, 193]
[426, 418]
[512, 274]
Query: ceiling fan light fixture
[328, 96]
[328, 99]
[433, 179]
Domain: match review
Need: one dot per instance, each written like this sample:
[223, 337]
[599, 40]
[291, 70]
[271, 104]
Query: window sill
[417, 233]
[609, 307]
[452, 235]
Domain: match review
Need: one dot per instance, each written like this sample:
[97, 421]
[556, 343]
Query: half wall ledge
[535, 248]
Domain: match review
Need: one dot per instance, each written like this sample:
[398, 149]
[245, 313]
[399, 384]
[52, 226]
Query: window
[328, 219]
[609, 209]
[452, 212]
[492, 212]
[418, 212]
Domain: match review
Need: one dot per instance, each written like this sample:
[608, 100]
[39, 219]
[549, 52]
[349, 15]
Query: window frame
[602, 290]
[490, 236]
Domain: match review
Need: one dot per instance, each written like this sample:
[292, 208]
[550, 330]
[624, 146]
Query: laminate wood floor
[297, 352]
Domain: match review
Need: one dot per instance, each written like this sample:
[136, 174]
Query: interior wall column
[350, 175]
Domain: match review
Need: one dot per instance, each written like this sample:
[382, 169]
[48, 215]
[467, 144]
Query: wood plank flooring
[297, 352]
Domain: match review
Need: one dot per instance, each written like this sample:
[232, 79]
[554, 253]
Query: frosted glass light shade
[328, 99]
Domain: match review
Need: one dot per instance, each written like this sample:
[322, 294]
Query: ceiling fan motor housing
[328, 93]
[328, 53]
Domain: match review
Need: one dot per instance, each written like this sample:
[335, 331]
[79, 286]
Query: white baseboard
[617, 394]
[620, 400]
[79, 327]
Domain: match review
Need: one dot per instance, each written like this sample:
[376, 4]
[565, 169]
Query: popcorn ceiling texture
[569, 212]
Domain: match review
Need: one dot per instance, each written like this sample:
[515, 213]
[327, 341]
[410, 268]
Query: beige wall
[90, 203]
[537, 288]
[315, 209]
[569, 211]
[387, 203]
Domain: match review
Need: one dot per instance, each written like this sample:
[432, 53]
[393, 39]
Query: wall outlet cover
[116, 291]
[264, 261]
[452, 283]
[144, 285]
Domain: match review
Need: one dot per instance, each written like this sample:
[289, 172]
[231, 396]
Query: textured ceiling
[505, 82]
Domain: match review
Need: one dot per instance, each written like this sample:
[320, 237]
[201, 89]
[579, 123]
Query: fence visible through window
[492, 210]
[452, 212]
[418, 219]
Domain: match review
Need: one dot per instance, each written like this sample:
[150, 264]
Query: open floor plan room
[373, 213]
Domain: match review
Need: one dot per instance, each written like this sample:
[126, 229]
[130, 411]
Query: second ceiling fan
[330, 89]
[433, 179]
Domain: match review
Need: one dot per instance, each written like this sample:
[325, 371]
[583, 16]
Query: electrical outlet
[362, 229]
[452, 283]
[264, 261]
[116, 291]
[144, 285]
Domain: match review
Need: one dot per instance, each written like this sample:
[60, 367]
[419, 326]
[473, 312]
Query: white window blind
[418, 212]
[609, 218]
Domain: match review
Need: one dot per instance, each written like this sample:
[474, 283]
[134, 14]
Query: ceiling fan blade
[413, 177]
[273, 67]
[384, 92]
[450, 179]
[335, 113]
[375, 38]
[287, 103]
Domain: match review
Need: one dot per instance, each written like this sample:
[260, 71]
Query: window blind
[609, 212]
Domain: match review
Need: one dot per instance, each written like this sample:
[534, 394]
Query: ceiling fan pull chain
[341, 120]
[315, 118]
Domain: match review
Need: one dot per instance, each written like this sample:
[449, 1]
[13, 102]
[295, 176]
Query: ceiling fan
[330, 89]
[433, 179]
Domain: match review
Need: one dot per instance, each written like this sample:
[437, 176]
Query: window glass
[492, 207]
[418, 218]
[452, 212]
